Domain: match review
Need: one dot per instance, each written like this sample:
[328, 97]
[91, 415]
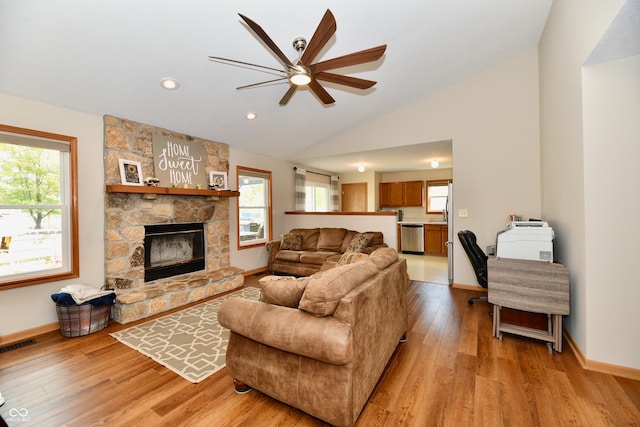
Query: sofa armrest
[289, 329]
[272, 247]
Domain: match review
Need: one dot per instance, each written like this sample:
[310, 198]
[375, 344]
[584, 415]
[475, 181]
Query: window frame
[69, 230]
[268, 235]
[435, 183]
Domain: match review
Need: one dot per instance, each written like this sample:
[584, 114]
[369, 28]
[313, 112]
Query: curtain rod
[295, 168]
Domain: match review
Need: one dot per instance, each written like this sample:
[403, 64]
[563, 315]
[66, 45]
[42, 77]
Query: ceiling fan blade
[361, 57]
[217, 58]
[321, 92]
[261, 83]
[287, 96]
[344, 80]
[326, 29]
[267, 40]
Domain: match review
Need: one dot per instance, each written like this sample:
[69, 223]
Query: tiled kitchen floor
[427, 268]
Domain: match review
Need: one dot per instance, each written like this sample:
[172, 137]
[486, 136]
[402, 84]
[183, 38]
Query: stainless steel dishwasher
[412, 238]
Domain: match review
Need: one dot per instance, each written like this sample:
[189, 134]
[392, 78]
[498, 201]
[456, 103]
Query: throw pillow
[351, 257]
[291, 241]
[282, 290]
[358, 243]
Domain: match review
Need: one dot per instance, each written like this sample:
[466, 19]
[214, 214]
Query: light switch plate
[463, 213]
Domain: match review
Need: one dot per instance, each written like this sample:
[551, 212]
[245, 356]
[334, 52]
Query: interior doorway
[354, 197]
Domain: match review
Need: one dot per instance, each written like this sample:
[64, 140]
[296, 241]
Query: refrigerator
[448, 217]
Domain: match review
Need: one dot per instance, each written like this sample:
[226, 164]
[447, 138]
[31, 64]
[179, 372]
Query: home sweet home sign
[179, 162]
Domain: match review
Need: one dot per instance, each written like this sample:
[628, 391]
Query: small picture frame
[218, 180]
[130, 172]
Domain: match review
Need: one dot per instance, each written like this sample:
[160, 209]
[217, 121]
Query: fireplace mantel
[135, 189]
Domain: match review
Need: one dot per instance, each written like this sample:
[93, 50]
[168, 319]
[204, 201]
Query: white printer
[531, 240]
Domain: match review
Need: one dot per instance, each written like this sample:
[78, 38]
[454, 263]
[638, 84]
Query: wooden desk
[534, 286]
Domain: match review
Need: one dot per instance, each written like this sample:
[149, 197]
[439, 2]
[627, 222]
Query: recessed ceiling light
[360, 168]
[169, 84]
[251, 116]
[435, 164]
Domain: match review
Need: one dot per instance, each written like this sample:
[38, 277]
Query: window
[38, 207]
[317, 197]
[437, 194]
[254, 206]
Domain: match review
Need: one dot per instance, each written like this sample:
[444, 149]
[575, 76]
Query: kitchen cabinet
[435, 237]
[401, 194]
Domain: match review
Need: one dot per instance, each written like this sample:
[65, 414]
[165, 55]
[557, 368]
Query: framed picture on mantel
[218, 180]
[130, 172]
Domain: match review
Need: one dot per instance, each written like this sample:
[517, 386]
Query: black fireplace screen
[173, 249]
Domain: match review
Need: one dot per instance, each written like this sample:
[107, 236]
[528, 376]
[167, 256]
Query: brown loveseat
[303, 251]
[325, 353]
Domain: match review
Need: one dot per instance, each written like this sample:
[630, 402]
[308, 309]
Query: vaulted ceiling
[108, 57]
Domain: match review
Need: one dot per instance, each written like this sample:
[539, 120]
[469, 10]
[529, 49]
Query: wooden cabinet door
[413, 193]
[433, 239]
[385, 194]
[396, 190]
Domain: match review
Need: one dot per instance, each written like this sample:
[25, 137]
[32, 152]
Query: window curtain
[300, 192]
[335, 194]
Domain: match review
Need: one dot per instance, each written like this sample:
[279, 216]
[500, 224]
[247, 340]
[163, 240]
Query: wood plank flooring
[450, 372]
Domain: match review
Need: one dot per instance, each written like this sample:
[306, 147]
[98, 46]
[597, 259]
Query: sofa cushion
[291, 241]
[383, 257]
[282, 290]
[317, 258]
[330, 239]
[288, 256]
[309, 238]
[325, 288]
[347, 240]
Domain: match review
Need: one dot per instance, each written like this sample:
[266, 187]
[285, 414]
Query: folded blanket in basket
[84, 293]
[66, 299]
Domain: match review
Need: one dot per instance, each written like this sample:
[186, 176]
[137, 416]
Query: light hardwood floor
[451, 371]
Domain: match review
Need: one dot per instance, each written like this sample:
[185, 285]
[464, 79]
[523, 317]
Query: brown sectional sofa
[317, 245]
[320, 343]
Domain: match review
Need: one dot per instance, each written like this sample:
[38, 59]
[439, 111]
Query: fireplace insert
[173, 249]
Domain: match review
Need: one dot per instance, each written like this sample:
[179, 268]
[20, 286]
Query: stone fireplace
[129, 214]
[173, 249]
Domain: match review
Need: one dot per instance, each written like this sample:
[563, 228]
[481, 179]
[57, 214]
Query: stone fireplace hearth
[127, 214]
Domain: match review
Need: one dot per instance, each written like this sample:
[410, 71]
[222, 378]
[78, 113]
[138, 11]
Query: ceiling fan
[303, 72]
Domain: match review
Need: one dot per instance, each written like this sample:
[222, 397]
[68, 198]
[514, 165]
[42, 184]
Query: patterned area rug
[190, 342]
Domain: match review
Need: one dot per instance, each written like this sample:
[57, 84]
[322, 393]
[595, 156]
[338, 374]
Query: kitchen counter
[421, 221]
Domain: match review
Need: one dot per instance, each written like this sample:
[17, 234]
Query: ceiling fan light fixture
[300, 78]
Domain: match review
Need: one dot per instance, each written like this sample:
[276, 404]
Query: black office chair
[478, 260]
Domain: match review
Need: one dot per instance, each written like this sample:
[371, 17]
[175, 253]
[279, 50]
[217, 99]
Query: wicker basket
[84, 319]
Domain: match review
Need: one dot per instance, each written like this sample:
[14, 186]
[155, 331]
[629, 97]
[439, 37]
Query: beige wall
[611, 105]
[492, 119]
[31, 306]
[585, 122]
